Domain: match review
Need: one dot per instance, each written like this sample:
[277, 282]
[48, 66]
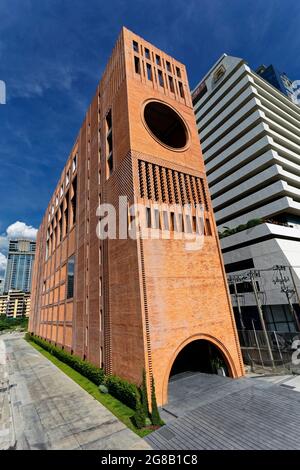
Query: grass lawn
[122, 412]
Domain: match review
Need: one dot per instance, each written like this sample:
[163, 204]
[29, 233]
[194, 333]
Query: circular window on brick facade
[166, 125]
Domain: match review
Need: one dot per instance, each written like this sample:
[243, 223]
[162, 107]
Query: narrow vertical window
[108, 120]
[66, 214]
[158, 61]
[208, 231]
[148, 217]
[166, 220]
[73, 200]
[135, 46]
[178, 72]
[168, 65]
[179, 222]
[137, 66]
[149, 71]
[188, 225]
[160, 78]
[157, 219]
[147, 53]
[70, 277]
[74, 164]
[171, 83]
[110, 164]
[173, 222]
[61, 224]
[109, 141]
[181, 89]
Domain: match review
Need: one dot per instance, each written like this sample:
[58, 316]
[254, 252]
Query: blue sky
[52, 54]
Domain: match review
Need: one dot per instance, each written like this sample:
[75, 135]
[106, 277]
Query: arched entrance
[200, 356]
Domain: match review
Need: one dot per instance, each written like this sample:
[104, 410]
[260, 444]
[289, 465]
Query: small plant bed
[120, 397]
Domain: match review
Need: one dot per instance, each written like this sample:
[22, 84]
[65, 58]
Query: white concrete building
[250, 137]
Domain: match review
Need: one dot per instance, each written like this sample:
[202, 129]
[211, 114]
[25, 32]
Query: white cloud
[21, 230]
[3, 262]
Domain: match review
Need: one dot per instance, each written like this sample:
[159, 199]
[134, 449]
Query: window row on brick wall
[63, 187]
[64, 219]
[156, 68]
[174, 220]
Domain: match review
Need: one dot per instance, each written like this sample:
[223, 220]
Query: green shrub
[253, 222]
[241, 227]
[7, 323]
[230, 231]
[124, 391]
[91, 372]
[139, 418]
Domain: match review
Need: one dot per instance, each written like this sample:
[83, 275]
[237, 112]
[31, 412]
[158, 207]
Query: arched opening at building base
[200, 356]
[193, 363]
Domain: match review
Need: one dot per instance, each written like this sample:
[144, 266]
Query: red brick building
[129, 304]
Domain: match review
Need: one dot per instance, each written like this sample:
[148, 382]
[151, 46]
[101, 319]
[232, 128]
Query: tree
[139, 417]
[144, 395]
[155, 418]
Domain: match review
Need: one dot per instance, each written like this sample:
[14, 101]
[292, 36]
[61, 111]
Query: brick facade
[136, 303]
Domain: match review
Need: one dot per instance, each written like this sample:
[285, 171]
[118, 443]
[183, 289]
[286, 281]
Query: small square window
[135, 46]
[147, 53]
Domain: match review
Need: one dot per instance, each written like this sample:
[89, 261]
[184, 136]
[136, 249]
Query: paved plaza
[211, 412]
[42, 408]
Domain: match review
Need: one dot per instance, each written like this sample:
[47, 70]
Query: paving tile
[50, 410]
[230, 414]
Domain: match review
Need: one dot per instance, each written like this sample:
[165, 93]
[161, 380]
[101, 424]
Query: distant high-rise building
[19, 265]
[15, 304]
[250, 138]
[1, 286]
[278, 79]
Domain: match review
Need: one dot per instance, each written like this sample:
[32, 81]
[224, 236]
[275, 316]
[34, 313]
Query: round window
[165, 124]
